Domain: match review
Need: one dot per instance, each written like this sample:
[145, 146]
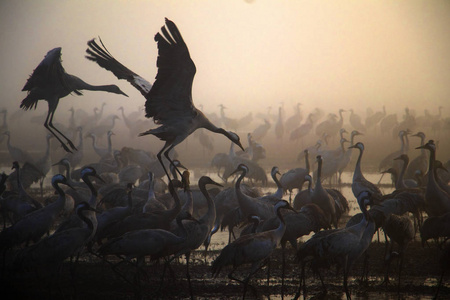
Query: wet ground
[96, 279]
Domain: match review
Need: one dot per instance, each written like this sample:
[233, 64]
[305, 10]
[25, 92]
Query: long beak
[99, 178]
[71, 186]
[240, 146]
[216, 183]
[235, 171]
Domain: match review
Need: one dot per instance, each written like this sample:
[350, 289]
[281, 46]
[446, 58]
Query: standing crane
[50, 82]
[35, 224]
[169, 99]
[49, 253]
[342, 246]
[359, 182]
[198, 231]
[437, 201]
[252, 248]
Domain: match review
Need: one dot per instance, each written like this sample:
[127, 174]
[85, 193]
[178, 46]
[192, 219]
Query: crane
[50, 82]
[252, 248]
[342, 246]
[359, 182]
[437, 201]
[169, 99]
[35, 224]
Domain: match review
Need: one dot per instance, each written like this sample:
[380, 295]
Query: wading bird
[169, 99]
[50, 82]
[252, 249]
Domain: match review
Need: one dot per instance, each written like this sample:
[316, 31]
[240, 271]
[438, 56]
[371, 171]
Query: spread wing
[49, 73]
[171, 94]
[104, 59]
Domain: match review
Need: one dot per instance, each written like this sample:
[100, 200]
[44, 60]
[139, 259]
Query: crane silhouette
[342, 246]
[50, 82]
[169, 99]
[252, 248]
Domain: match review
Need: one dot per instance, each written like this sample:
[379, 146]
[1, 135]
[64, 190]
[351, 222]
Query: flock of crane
[142, 208]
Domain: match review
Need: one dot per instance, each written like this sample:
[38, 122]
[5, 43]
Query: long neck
[183, 230]
[93, 199]
[245, 202]
[431, 178]
[281, 229]
[68, 172]
[319, 175]
[279, 192]
[307, 162]
[210, 216]
[109, 141]
[62, 196]
[310, 185]
[104, 88]
[400, 182]
[189, 203]
[358, 172]
[87, 220]
[174, 211]
[19, 183]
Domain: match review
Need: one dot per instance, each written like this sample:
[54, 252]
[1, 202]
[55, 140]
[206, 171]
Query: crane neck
[245, 202]
[88, 221]
[93, 200]
[319, 174]
[400, 183]
[110, 141]
[279, 192]
[80, 140]
[358, 172]
[307, 166]
[210, 216]
[281, 229]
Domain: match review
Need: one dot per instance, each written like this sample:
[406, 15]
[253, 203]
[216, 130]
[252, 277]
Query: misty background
[252, 56]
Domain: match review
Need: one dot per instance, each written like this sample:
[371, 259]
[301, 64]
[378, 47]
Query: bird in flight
[169, 99]
[50, 82]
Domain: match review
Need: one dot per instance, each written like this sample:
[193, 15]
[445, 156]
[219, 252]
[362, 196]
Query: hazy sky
[393, 53]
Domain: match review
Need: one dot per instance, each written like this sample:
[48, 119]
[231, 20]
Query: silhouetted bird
[50, 82]
[169, 100]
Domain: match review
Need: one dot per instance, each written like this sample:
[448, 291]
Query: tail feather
[29, 101]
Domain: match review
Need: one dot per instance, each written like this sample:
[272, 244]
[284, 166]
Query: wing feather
[171, 94]
[104, 59]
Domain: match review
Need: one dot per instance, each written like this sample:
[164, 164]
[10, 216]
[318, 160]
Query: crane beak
[240, 146]
[216, 183]
[99, 178]
[71, 186]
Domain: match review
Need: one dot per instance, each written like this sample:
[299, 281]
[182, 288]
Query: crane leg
[166, 154]
[188, 275]
[160, 159]
[48, 125]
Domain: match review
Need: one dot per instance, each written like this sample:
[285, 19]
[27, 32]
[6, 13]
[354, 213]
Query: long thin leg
[302, 277]
[346, 271]
[166, 154]
[283, 255]
[160, 159]
[49, 128]
[188, 275]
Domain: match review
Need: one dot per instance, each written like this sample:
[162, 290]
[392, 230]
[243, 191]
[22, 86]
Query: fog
[250, 55]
